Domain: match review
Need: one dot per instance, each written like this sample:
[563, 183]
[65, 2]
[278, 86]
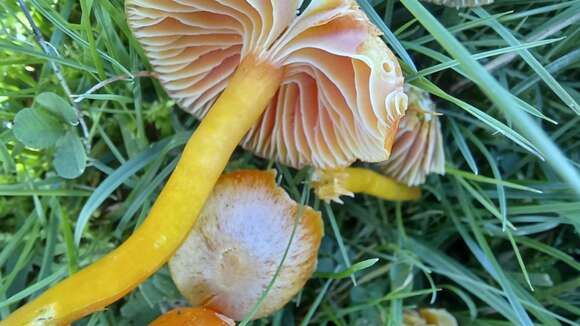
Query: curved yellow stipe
[174, 213]
[331, 184]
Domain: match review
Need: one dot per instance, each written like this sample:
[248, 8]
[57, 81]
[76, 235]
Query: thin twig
[57, 71]
[80, 98]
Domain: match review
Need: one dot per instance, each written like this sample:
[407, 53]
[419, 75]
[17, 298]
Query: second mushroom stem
[175, 211]
[373, 183]
[331, 184]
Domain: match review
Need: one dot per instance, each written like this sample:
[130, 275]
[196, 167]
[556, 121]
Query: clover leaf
[50, 124]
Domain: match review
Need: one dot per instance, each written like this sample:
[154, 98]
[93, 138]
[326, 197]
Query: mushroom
[319, 88]
[418, 148]
[461, 3]
[233, 253]
[417, 152]
[192, 317]
[428, 317]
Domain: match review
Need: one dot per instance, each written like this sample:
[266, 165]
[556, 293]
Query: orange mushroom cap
[192, 317]
[341, 97]
[418, 148]
[232, 254]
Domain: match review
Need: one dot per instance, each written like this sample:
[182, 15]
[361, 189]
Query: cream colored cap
[229, 259]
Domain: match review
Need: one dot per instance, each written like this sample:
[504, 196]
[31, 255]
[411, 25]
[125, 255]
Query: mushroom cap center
[231, 256]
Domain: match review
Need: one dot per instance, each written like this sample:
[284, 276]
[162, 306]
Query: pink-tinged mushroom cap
[341, 98]
[418, 148]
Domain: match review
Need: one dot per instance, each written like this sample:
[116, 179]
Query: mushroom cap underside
[418, 148]
[232, 254]
[342, 94]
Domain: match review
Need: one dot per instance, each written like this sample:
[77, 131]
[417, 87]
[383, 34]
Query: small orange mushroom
[192, 317]
[319, 88]
[233, 253]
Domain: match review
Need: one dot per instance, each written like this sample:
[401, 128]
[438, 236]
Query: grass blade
[497, 94]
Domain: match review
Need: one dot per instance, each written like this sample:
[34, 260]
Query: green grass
[495, 241]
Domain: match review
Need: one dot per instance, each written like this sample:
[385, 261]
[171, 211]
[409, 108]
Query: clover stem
[175, 211]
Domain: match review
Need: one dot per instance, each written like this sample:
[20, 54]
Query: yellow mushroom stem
[331, 184]
[174, 213]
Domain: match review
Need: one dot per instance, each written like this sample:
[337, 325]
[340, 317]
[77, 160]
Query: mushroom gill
[341, 95]
[418, 148]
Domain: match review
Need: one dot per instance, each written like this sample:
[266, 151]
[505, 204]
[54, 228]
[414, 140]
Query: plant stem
[106, 82]
[57, 72]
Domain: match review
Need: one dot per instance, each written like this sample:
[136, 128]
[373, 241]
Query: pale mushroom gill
[418, 148]
[342, 92]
